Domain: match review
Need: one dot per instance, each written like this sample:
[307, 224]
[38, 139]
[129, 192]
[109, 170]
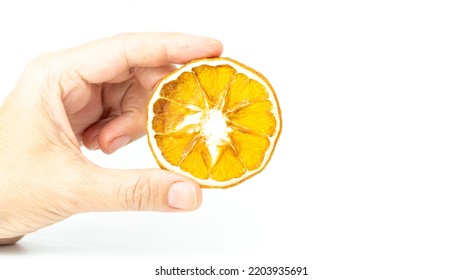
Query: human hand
[95, 95]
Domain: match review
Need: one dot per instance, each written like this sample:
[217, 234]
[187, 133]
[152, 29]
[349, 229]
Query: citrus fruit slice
[214, 120]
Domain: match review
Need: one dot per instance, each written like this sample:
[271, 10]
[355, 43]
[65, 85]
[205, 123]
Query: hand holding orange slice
[214, 120]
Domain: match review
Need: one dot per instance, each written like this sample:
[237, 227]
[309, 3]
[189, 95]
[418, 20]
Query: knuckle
[43, 68]
[140, 195]
[41, 60]
[123, 35]
[123, 38]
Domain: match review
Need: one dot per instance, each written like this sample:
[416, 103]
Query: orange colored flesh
[184, 106]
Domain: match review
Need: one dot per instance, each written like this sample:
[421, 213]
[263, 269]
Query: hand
[95, 95]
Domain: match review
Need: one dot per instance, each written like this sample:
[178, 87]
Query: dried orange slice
[214, 120]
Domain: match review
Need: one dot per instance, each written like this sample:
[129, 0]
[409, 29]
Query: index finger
[103, 60]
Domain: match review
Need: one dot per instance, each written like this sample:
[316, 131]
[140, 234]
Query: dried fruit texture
[214, 120]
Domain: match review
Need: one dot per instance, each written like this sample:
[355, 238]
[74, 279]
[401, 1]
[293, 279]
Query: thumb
[138, 190]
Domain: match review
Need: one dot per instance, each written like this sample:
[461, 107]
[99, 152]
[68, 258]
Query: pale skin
[93, 95]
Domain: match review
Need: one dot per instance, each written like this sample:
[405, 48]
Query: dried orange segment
[175, 146]
[169, 115]
[244, 91]
[255, 118]
[215, 81]
[228, 165]
[250, 148]
[215, 121]
[198, 161]
[185, 90]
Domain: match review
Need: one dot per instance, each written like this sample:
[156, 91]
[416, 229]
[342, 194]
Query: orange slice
[214, 120]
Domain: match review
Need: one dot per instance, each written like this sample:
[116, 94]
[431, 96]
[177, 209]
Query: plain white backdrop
[365, 182]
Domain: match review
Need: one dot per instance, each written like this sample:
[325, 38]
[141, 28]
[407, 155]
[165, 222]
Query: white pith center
[215, 131]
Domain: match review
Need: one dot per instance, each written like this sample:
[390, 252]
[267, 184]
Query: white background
[364, 184]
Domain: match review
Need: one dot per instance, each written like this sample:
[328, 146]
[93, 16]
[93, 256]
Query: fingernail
[182, 196]
[118, 143]
[94, 143]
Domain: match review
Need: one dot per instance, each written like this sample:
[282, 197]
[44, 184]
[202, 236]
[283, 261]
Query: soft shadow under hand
[14, 249]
